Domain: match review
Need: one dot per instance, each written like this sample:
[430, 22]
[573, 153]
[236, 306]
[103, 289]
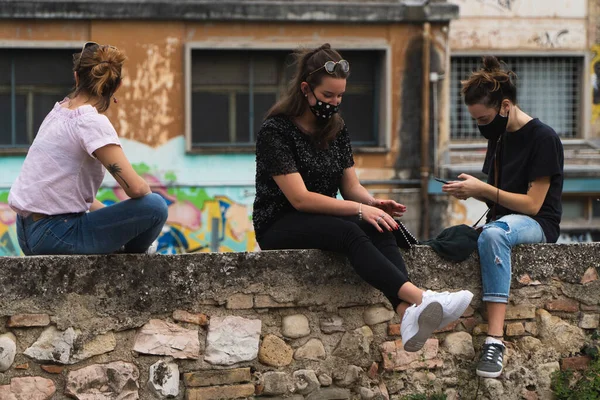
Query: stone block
[240, 301]
[53, 345]
[164, 338]
[275, 352]
[563, 304]
[28, 320]
[448, 328]
[373, 371]
[515, 329]
[190, 318]
[395, 358]
[217, 377]
[521, 311]
[329, 394]
[266, 301]
[531, 327]
[305, 381]
[313, 350]
[220, 392]
[394, 330]
[116, 380]
[377, 314]
[8, 350]
[590, 275]
[164, 379]
[577, 363]
[232, 340]
[459, 344]
[589, 321]
[295, 326]
[276, 383]
[469, 323]
[332, 324]
[480, 329]
[28, 388]
[355, 346]
[325, 380]
[560, 335]
[53, 369]
[346, 377]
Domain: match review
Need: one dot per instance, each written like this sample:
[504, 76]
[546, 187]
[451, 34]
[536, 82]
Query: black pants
[375, 256]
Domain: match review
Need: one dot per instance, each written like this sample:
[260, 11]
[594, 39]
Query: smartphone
[441, 180]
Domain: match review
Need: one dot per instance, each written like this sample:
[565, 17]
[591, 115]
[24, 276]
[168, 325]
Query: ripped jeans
[495, 244]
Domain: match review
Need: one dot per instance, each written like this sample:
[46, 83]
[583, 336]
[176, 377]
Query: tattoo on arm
[529, 187]
[115, 171]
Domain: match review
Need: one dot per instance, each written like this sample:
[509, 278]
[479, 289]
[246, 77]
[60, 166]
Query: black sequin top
[282, 148]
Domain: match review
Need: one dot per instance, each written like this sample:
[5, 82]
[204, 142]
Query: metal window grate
[548, 88]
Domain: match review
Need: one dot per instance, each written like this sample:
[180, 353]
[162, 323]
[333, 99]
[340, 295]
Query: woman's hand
[379, 219]
[391, 207]
[469, 186]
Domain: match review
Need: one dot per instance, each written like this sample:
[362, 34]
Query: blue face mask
[321, 109]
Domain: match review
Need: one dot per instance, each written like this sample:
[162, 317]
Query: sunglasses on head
[330, 67]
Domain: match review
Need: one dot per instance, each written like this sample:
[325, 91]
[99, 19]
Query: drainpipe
[425, 68]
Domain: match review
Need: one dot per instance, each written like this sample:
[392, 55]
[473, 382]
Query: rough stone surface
[567, 305]
[164, 338]
[544, 373]
[295, 326]
[589, 321]
[220, 392]
[347, 376]
[531, 327]
[28, 320]
[217, 377]
[530, 344]
[240, 301]
[554, 332]
[590, 275]
[332, 324]
[494, 388]
[190, 318]
[8, 350]
[394, 330]
[480, 329]
[231, 340]
[305, 381]
[53, 369]
[28, 388]
[366, 393]
[329, 394]
[164, 379]
[520, 312]
[312, 350]
[97, 345]
[377, 314]
[116, 380]
[275, 352]
[355, 346]
[53, 345]
[325, 380]
[459, 344]
[515, 329]
[276, 383]
[575, 363]
[395, 358]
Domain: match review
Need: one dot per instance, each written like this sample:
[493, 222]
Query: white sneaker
[419, 322]
[153, 248]
[454, 304]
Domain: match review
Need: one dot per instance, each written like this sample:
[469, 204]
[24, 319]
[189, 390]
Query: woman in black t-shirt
[303, 158]
[524, 165]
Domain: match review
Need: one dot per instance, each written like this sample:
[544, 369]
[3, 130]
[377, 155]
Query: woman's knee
[491, 234]
[155, 205]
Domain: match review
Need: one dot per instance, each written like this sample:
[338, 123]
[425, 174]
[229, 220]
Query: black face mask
[495, 128]
[322, 110]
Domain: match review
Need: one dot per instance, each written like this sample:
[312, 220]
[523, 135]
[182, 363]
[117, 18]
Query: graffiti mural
[201, 219]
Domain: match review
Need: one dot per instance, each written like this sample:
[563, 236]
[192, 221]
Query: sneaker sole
[485, 374]
[429, 320]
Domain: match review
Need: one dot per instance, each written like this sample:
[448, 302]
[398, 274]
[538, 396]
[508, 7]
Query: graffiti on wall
[201, 219]
[595, 80]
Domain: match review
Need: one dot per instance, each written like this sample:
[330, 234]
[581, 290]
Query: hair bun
[491, 64]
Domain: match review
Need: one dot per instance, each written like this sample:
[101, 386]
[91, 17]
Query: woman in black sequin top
[303, 158]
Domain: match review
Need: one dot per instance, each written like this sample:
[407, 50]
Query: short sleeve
[96, 131]
[347, 158]
[546, 158]
[274, 153]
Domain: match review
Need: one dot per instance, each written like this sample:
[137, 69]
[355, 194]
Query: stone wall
[293, 324]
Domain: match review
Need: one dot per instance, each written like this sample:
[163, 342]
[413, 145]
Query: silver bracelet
[360, 212]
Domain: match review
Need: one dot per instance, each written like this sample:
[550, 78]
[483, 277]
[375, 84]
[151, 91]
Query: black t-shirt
[281, 148]
[532, 152]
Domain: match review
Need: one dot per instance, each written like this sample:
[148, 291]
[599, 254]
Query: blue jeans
[133, 223]
[495, 244]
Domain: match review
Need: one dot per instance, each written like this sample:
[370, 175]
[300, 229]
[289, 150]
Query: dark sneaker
[490, 363]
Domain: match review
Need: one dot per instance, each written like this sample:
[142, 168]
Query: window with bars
[232, 90]
[31, 81]
[548, 87]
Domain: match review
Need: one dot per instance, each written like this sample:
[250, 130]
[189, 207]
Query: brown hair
[490, 85]
[293, 102]
[99, 70]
